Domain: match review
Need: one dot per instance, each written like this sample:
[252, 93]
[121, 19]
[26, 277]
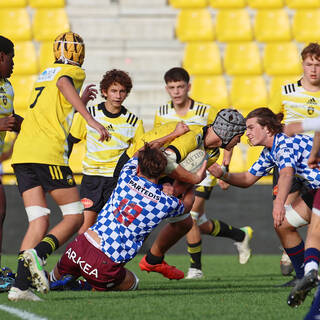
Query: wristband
[225, 170]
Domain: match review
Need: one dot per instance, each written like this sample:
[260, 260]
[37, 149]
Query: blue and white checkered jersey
[289, 152]
[134, 209]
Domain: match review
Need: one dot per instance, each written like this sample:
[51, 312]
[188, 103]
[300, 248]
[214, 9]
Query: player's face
[6, 64]
[234, 141]
[256, 134]
[311, 70]
[115, 95]
[178, 91]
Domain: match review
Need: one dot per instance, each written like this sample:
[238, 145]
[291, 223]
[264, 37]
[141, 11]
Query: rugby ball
[194, 160]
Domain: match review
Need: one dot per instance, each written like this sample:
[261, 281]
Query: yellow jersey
[6, 105]
[198, 114]
[44, 131]
[182, 145]
[101, 158]
[295, 102]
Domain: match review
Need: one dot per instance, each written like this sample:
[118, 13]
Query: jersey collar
[108, 114]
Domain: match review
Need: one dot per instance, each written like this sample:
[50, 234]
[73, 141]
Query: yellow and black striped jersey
[44, 131]
[101, 158]
[295, 102]
[198, 114]
[182, 145]
[6, 105]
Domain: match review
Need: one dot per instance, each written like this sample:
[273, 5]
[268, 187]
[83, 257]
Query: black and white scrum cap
[228, 124]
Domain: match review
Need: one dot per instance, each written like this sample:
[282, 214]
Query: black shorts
[297, 185]
[49, 177]
[95, 191]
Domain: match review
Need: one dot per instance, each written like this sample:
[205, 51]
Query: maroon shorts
[316, 200]
[81, 258]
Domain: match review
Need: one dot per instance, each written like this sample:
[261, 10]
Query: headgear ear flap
[69, 47]
[228, 124]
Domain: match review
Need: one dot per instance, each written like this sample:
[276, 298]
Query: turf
[228, 291]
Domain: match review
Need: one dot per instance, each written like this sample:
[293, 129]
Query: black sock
[151, 259]
[194, 250]
[23, 276]
[221, 229]
[46, 246]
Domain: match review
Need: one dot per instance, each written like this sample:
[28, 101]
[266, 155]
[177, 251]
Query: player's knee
[184, 225]
[130, 282]
[35, 212]
[72, 208]
[293, 217]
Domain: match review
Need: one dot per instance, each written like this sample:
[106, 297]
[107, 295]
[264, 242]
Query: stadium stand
[191, 4]
[227, 4]
[202, 58]
[47, 3]
[266, 4]
[45, 54]
[25, 51]
[305, 4]
[306, 25]
[13, 3]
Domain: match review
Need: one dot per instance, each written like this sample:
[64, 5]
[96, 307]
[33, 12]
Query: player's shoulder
[164, 109]
[131, 118]
[200, 108]
[290, 88]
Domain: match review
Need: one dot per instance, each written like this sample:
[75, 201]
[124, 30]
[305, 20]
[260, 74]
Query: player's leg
[169, 235]
[129, 283]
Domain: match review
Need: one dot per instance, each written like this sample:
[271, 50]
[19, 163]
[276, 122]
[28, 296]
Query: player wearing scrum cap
[40, 162]
[225, 132]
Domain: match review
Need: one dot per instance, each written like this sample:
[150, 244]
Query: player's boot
[170, 272]
[15, 294]
[286, 266]
[290, 283]
[194, 273]
[302, 288]
[243, 246]
[35, 266]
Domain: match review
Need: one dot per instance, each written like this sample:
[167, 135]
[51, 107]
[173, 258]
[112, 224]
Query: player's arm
[70, 93]
[188, 200]
[314, 158]
[89, 93]
[284, 185]
[239, 179]
[307, 124]
[8, 123]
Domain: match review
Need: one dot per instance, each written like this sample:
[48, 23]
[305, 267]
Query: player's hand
[278, 214]
[223, 185]
[216, 170]
[313, 161]
[201, 173]
[167, 188]
[8, 123]
[89, 93]
[104, 133]
[181, 129]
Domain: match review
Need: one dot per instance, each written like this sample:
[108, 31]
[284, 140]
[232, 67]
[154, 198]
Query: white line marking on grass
[20, 313]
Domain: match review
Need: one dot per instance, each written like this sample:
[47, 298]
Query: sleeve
[285, 158]
[139, 132]
[78, 128]
[177, 207]
[275, 103]
[157, 120]
[262, 166]
[130, 168]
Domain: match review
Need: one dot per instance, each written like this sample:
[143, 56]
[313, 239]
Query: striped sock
[46, 246]
[194, 250]
[296, 255]
[311, 259]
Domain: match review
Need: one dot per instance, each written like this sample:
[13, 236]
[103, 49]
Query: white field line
[20, 313]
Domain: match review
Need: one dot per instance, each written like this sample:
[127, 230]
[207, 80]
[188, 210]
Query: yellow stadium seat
[237, 163]
[25, 59]
[194, 25]
[272, 25]
[22, 86]
[303, 4]
[46, 56]
[252, 156]
[15, 24]
[242, 59]
[306, 25]
[13, 3]
[210, 90]
[47, 3]
[248, 93]
[202, 58]
[233, 25]
[227, 4]
[282, 59]
[183, 4]
[266, 4]
[44, 31]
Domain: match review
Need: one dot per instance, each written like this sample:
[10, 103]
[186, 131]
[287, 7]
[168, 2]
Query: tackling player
[101, 158]
[40, 162]
[182, 108]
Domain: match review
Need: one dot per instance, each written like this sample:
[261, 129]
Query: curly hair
[113, 76]
[267, 118]
[152, 161]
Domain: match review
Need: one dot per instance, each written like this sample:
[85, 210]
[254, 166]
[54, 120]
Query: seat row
[235, 25]
[45, 24]
[254, 4]
[32, 3]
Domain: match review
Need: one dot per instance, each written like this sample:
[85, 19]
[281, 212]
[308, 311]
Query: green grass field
[228, 291]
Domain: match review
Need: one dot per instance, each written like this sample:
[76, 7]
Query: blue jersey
[134, 209]
[289, 152]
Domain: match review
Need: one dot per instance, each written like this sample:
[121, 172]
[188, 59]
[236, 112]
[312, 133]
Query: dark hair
[176, 74]
[152, 161]
[313, 49]
[267, 118]
[6, 45]
[113, 76]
